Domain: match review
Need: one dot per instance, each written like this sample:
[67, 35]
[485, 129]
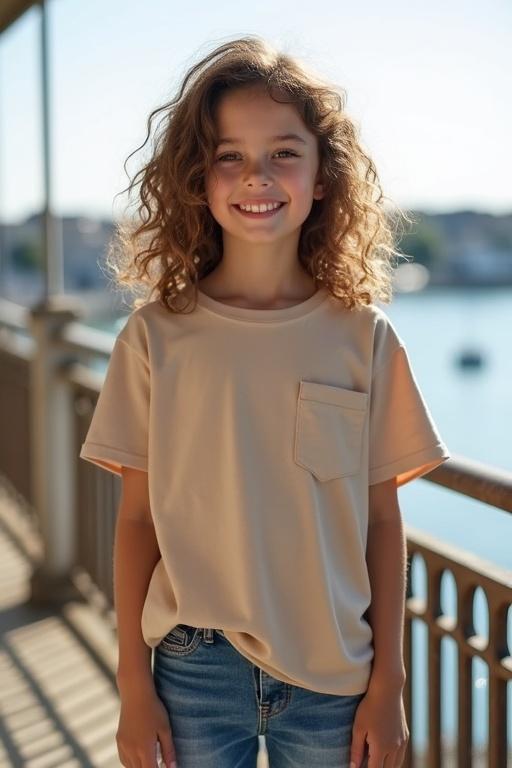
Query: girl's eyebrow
[282, 137]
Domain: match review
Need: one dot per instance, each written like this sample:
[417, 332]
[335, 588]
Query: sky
[428, 86]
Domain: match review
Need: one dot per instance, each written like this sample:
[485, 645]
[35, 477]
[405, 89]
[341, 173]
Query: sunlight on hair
[348, 241]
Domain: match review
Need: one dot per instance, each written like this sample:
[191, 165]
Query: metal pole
[51, 411]
[3, 253]
[53, 270]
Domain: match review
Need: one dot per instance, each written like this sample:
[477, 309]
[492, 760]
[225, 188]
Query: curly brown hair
[347, 241]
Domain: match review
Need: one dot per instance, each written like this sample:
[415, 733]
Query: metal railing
[46, 377]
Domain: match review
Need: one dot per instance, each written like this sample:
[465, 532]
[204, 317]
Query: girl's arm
[380, 720]
[136, 553]
[386, 556]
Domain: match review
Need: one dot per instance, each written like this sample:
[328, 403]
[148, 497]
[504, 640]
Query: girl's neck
[268, 296]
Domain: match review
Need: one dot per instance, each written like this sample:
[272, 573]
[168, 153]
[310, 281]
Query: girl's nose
[254, 182]
[256, 172]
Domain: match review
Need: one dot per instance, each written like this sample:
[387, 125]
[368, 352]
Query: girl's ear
[318, 191]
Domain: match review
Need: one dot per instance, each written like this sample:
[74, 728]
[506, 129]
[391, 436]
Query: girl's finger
[165, 748]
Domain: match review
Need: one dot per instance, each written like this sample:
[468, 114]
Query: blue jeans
[219, 703]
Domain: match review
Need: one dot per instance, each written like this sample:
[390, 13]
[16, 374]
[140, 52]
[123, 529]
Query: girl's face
[257, 160]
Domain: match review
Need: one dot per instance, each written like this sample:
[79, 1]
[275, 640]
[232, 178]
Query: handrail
[483, 482]
[480, 481]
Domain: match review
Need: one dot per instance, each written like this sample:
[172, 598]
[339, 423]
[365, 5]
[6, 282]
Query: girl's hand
[143, 722]
[380, 720]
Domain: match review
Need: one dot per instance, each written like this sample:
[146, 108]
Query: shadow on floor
[58, 701]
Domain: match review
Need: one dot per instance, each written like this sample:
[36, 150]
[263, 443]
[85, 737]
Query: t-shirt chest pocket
[329, 429]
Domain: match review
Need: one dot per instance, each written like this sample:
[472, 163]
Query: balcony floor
[58, 701]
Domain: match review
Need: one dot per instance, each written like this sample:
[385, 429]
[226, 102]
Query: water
[471, 407]
[473, 411]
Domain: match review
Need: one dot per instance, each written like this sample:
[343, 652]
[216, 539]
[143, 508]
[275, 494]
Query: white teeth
[260, 208]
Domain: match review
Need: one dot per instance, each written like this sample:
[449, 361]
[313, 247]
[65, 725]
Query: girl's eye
[279, 152]
[224, 157]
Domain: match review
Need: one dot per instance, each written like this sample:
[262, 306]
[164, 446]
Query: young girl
[262, 412]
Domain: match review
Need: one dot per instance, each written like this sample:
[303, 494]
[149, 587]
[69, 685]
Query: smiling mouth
[259, 214]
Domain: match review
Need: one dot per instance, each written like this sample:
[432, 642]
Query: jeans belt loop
[208, 635]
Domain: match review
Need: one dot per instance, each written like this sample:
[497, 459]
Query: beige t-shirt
[261, 431]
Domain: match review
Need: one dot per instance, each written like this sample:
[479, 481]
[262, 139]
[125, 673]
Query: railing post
[51, 428]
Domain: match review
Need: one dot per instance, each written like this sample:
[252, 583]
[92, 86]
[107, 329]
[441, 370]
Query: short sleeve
[118, 431]
[404, 440]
